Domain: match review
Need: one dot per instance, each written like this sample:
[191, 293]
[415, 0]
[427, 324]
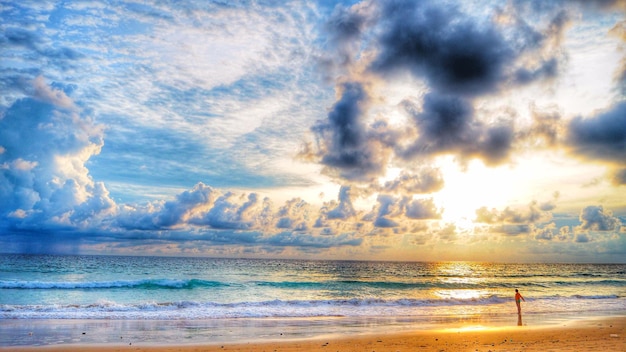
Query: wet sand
[606, 334]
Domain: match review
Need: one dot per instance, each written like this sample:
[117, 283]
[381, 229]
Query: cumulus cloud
[46, 144]
[387, 209]
[210, 215]
[596, 218]
[226, 214]
[533, 214]
[401, 212]
[185, 205]
[344, 208]
[294, 215]
[422, 209]
[550, 232]
[596, 225]
[424, 180]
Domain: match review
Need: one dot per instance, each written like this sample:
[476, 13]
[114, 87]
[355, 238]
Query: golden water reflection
[460, 277]
[463, 282]
[464, 294]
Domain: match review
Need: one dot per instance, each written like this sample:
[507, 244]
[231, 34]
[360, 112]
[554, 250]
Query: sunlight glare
[467, 191]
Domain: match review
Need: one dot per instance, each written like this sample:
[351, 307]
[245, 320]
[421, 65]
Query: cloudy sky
[383, 130]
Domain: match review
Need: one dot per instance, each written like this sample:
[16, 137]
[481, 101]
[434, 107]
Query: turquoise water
[94, 288]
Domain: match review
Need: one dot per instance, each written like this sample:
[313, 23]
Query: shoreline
[588, 335]
[583, 334]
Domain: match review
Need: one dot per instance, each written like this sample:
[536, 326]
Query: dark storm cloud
[342, 137]
[496, 145]
[458, 54]
[601, 137]
[460, 58]
[439, 43]
[446, 124]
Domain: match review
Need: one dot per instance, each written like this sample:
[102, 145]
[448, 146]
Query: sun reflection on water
[463, 281]
[462, 294]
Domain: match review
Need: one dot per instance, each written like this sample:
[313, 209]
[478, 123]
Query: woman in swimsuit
[518, 298]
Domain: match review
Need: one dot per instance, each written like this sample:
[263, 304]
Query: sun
[477, 186]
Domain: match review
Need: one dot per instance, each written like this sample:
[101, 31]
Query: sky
[349, 130]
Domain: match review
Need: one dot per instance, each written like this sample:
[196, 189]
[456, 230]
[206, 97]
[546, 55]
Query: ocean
[51, 299]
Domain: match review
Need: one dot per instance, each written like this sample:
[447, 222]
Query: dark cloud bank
[460, 59]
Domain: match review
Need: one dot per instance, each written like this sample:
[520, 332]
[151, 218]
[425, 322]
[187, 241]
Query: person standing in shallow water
[518, 299]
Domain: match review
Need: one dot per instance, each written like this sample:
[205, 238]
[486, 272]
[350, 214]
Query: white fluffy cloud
[46, 144]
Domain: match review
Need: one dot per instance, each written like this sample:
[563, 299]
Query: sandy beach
[606, 334]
